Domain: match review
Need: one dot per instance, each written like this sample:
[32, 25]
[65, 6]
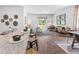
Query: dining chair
[75, 40]
[32, 41]
[70, 36]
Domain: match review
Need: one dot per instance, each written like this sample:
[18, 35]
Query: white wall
[69, 16]
[23, 11]
[11, 11]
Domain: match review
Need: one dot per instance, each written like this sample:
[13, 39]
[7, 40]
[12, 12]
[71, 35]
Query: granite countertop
[6, 47]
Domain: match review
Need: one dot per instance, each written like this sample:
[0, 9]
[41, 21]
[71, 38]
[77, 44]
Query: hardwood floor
[47, 45]
[32, 51]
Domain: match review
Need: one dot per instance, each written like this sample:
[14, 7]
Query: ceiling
[43, 9]
[39, 9]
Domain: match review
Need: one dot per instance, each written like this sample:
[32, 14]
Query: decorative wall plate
[10, 19]
[16, 16]
[15, 23]
[2, 20]
[7, 23]
[5, 17]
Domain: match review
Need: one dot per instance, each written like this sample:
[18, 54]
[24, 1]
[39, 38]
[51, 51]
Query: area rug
[48, 46]
[54, 48]
[67, 47]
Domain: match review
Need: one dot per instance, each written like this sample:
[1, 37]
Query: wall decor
[5, 17]
[42, 21]
[61, 19]
[2, 20]
[16, 16]
[7, 23]
[15, 23]
[10, 19]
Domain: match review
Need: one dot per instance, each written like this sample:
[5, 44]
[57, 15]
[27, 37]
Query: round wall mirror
[7, 23]
[2, 20]
[15, 23]
[16, 16]
[5, 17]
